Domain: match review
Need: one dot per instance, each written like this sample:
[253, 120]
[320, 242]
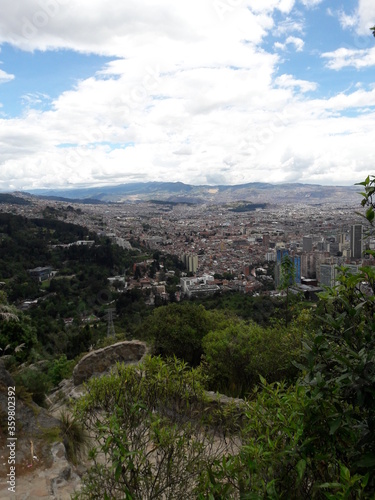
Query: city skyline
[211, 92]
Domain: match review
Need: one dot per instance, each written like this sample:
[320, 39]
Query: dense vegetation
[65, 315]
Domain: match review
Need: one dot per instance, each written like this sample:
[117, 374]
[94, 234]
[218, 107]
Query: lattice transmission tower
[110, 325]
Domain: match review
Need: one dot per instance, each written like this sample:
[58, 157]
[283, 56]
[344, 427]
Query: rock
[100, 361]
[42, 470]
[5, 378]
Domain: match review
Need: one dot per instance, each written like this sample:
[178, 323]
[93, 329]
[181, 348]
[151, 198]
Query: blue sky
[207, 91]
[42, 76]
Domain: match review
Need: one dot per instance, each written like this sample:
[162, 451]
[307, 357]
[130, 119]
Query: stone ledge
[100, 361]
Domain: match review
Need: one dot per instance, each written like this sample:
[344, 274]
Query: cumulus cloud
[365, 15]
[117, 28]
[343, 57]
[287, 81]
[360, 19]
[291, 40]
[190, 94]
[5, 77]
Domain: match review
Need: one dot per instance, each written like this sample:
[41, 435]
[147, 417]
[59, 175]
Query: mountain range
[178, 192]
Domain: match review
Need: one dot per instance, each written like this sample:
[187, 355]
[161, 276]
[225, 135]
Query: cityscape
[222, 249]
[187, 250]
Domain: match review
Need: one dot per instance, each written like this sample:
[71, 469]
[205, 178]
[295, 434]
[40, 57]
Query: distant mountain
[12, 200]
[85, 201]
[178, 192]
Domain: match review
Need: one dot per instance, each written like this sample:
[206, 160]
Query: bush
[59, 369]
[35, 382]
[151, 425]
[75, 437]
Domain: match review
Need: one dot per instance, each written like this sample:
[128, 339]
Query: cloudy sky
[202, 91]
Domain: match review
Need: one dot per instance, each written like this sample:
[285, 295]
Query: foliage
[35, 382]
[287, 275]
[287, 278]
[269, 464]
[178, 329]
[16, 332]
[263, 310]
[340, 374]
[236, 356]
[79, 289]
[368, 194]
[149, 422]
[59, 369]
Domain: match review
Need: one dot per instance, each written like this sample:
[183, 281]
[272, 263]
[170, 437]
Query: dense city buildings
[220, 247]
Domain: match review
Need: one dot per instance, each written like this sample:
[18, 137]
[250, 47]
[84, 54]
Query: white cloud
[311, 3]
[366, 15]
[291, 40]
[347, 20]
[289, 25]
[116, 28]
[287, 81]
[361, 19]
[5, 77]
[190, 95]
[343, 57]
[284, 6]
[186, 137]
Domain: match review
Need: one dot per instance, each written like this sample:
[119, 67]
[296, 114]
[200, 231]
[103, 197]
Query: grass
[75, 438]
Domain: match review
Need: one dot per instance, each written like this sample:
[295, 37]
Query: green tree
[178, 329]
[235, 357]
[17, 336]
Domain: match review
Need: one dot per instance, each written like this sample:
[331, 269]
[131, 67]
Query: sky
[102, 92]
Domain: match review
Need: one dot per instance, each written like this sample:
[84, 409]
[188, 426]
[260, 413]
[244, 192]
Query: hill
[178, 192]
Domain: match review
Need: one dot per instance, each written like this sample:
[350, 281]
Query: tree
[17, 336]
[178, 329]
[235, 357]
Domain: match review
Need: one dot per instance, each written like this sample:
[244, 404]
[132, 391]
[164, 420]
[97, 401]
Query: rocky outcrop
[42, 470]
[100, 361]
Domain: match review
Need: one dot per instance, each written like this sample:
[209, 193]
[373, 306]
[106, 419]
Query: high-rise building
[342, 238]
[297, 267]
[270, 257]
[281, 253]
[328, 274]
[334, 248]
[308, 265]
[191, 262]
[266, 240]
[307, 244]
[356, 241]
